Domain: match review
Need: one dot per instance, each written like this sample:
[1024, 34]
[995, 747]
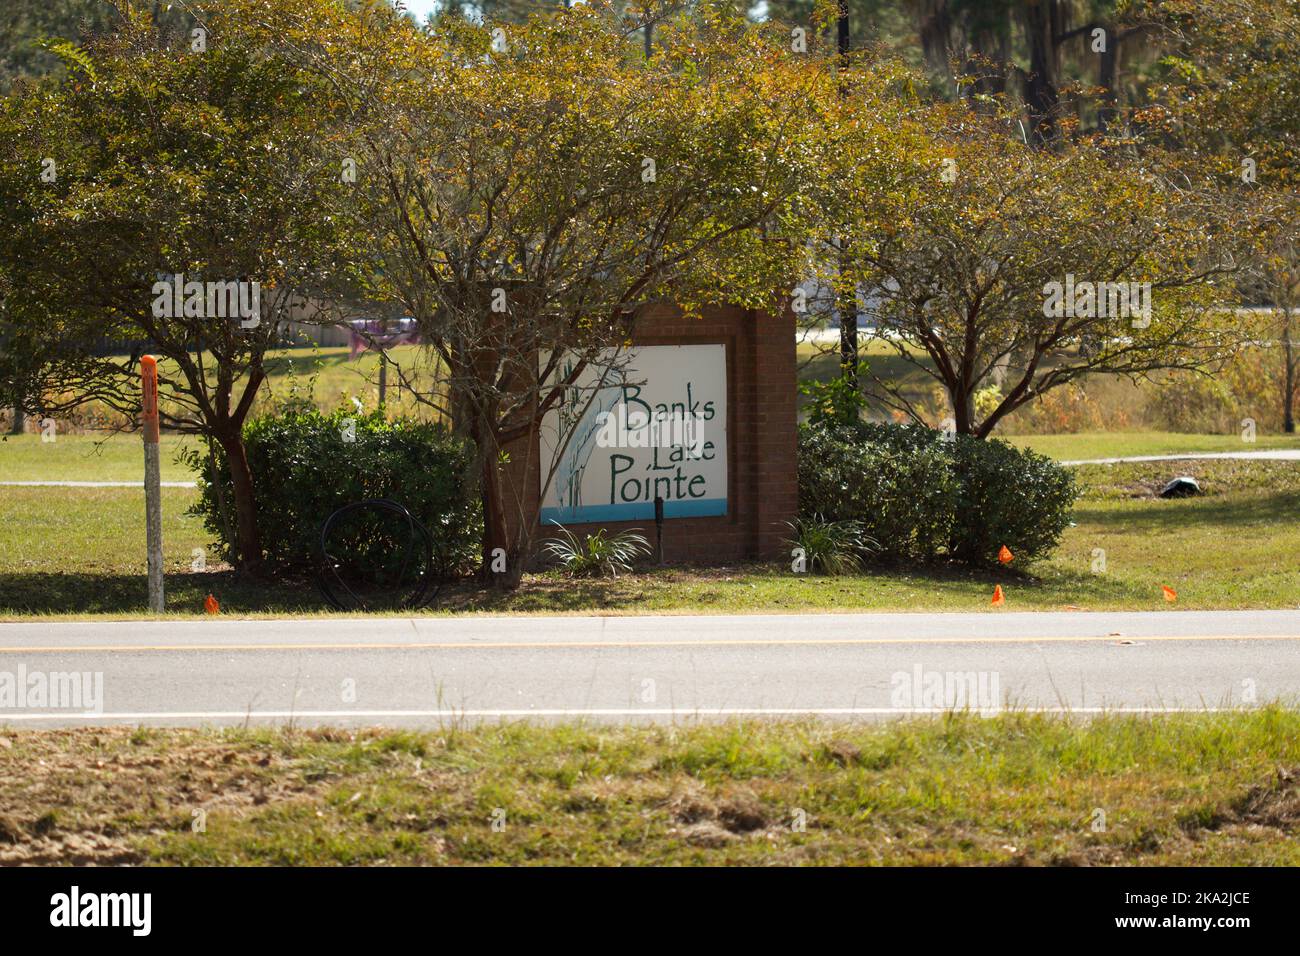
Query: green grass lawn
[1089, 445]
[1176, 790]
[334, 379]
[75, 551]
[88, 457]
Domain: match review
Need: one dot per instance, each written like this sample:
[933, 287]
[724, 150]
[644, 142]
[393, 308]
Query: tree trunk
[1042, 22]
[496, 538]
[963, 409]
[248, 539]
[20, 421]
[1107, 70]
[1289, 374]
[847, 304]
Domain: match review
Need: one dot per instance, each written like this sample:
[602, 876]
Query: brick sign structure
[643, 424]
[719, 397]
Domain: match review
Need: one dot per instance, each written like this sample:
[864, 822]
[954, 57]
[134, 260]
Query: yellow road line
[546, 645]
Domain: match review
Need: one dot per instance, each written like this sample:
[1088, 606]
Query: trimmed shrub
[921, 496]
[306, 465]
[896, 483]
[1008, 496]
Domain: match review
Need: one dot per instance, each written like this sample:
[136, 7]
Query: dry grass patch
[1017, 789]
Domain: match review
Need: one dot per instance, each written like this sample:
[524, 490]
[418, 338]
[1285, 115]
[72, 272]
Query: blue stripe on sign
[636, 511]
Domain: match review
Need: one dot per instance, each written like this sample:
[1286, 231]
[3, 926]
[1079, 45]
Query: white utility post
[152, 476]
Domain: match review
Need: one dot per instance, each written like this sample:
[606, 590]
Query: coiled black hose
[419, 547]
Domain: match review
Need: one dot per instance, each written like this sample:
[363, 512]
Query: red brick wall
[762, 407]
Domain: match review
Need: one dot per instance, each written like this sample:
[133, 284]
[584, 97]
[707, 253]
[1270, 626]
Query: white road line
[543, 644]
[600, 712]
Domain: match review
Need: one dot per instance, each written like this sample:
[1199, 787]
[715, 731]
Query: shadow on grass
[744, 588]
[1056, 587]
[81, 593]
[84, 593]
[758, 588]
[547, 593]
[1159, 516]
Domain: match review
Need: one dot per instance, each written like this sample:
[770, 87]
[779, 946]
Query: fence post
[152, 478]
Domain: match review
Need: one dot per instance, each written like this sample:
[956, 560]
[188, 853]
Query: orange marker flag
[211, 605]
[1005, 555]
[1170, 594]
[998, 597]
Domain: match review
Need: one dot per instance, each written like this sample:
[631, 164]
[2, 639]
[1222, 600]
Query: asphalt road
[432, 672]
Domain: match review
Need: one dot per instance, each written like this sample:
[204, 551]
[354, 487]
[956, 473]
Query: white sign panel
[657, 428]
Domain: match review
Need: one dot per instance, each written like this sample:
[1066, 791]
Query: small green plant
[837, 402]
[831, 547]
[598, 554]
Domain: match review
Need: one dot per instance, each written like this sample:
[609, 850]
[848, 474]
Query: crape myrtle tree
[527, 188]
[1006, 270]
[153, 158]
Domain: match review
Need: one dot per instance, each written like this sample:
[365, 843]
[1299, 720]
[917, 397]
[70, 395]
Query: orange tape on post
[149, 398]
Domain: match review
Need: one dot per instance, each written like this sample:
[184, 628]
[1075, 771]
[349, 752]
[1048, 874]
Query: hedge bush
[1008, 496]
[893, 484]
[305, 467]
[921, 497]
